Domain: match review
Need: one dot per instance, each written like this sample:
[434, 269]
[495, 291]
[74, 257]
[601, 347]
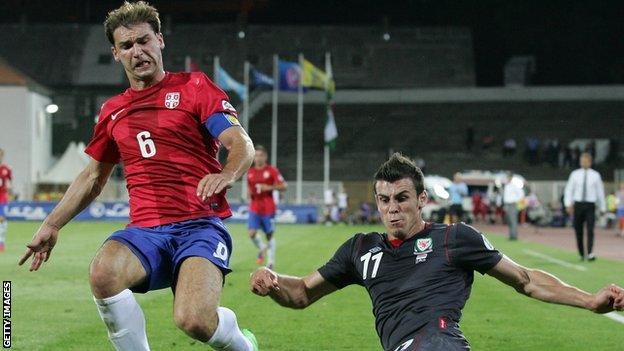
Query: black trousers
[584, 214]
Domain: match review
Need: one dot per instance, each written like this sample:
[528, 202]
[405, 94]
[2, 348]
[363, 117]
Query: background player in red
[419, 275]
[6, 176]
[262, 179]
[166, 130]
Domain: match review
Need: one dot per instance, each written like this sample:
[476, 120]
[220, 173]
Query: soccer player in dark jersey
[6, 175]
[262, 179]
[419, 274]
[166, 130]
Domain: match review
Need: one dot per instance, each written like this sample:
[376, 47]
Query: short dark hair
[398, 167]
[260, 148]
[129, 14]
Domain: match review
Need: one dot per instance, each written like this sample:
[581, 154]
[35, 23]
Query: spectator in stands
[365, 214]
[620, 208]
[457, 191]
[487, 142]
[532, 150]
[512, 196]
[509, 147]
[343, 204]
[583, 192]
[331, 208]
[479, 207]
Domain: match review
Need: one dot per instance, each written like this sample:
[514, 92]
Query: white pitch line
[555, 260]
[615, 316]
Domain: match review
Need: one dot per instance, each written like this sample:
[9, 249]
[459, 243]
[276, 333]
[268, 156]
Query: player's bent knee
[105, 281]
[196, 324]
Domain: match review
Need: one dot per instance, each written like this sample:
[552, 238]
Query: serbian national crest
[172, 100]
[423, 245]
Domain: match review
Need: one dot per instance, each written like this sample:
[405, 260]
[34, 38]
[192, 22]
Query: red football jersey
[5, 177]
[262, 201]
[159, 135]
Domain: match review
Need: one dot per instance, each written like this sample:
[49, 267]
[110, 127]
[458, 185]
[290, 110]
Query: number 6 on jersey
[366, 259]
[147, 146]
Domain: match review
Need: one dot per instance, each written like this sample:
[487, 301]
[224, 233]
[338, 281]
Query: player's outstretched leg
[4, 225]
[196, 308]
[113, 270]
[257, 241]
[271, 250]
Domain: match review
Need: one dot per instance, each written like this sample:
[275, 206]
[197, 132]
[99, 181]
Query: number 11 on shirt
[366, 259]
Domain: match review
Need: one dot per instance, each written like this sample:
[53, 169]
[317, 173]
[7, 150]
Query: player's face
[260, 158]
[400, 207]
[139, 50]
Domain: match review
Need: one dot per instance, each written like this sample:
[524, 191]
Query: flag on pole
[331, 132]
[314, 77]
[226, 82]
[260, 80]
[288, 75]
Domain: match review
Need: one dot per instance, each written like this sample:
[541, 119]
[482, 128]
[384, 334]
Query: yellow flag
[314, 77]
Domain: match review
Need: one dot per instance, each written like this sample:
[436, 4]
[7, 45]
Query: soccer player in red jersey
[5, 185]
[262, 179]
[166, 130]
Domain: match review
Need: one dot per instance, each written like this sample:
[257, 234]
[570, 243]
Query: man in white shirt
[583, 193]
[512, 194]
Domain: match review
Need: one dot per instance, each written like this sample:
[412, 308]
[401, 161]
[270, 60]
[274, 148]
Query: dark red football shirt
[5, 177]
[262, 201]
[159, 135]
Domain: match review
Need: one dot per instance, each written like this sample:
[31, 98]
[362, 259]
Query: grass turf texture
[53, 308]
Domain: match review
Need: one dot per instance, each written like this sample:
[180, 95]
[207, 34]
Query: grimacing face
[139, 50]
[260, 158]
[400, 207]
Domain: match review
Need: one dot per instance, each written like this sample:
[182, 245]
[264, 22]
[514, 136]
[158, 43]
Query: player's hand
[40, 247]
[214, 184]
[618, 302]
[263, 281]
[604, 301]
[570, 210]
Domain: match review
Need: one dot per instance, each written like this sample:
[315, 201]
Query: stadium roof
[11, 76]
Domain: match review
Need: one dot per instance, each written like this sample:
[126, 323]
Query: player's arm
[289, 291]
[544, 286]
[83, 190]
[240, 157]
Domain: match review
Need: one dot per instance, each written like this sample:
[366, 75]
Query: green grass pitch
[53, 308]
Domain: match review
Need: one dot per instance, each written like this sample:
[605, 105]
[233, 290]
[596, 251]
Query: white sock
[228, 336]
[125, 321]
[3, 229]
[271, 252]
[258, 242]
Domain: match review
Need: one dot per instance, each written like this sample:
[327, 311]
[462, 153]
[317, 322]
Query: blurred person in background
[512, 196]
[6, 176]
[262, 180]
[343, 205]
[584, 194]
[457, 191]
[619, 195]
[166, 129]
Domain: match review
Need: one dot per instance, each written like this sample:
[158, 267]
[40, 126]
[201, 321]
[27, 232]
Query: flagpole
[326, 163]
[245, 122]
[215, 70]
[300, 133]
[274, 111]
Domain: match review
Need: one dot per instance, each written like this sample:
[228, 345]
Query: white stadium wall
[26, 136]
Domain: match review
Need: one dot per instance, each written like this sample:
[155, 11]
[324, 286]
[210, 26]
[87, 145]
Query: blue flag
[289, 75]
[226, 82]
[260, 80]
